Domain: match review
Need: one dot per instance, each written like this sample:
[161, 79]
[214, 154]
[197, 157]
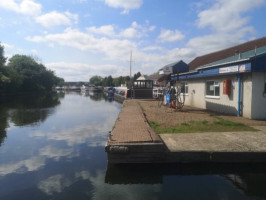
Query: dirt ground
[170, 117]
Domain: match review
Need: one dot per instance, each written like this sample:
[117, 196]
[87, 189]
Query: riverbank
[132, 124]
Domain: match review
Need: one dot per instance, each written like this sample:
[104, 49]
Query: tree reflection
[252, 184]
[3, 124]
[97, 96]
[249, 178]
[26, 110]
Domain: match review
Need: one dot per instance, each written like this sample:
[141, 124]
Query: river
[52, 147]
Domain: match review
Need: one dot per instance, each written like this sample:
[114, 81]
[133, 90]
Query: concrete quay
[133, 141]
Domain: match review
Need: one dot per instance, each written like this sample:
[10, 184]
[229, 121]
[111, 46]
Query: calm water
[52, 147]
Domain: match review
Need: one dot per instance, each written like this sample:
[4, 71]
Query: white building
[231, 81]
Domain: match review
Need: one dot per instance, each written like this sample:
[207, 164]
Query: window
[184, 88]
[212, 88]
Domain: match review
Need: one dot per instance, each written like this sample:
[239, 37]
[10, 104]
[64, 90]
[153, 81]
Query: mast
[130, 66]
[131, 81]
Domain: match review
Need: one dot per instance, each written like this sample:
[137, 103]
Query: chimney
[238, 53]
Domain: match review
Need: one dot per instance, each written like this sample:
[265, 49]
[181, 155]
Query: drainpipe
[239, 108]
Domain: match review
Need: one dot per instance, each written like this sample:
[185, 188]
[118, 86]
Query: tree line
[24, 74]
[110, 81]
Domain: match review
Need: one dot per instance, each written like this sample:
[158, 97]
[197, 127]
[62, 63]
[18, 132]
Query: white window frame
[216, 84]
[185, 85]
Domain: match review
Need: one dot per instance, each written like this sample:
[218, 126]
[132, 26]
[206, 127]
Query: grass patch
[219, 125]
[154, 125]
[222, 122]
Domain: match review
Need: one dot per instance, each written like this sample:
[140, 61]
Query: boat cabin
[143, 88]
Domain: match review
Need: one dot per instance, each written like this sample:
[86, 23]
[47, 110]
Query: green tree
[60, 82]
[29, 75]
[104, 82]
[137, 75]
[96, 80]
[15, 82]
[4, 79]
[118, 81]
[126, 79]
[109, 81]
[2, 58]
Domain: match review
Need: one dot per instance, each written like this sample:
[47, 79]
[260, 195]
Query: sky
[78, 39]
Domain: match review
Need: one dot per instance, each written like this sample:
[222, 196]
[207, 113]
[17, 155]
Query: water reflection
[26, 110]
[96, 96]
[64, 158]
[248, 178]
[3, 123]
[61, 158]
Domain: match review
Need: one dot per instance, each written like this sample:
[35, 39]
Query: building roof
[229, 54]
[143, 78]
[154, 76]
[174, 68]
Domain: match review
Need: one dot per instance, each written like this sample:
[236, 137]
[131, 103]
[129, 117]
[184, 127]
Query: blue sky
[81, 38]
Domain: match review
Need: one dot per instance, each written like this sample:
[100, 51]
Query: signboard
[231, 69]
[166, 70]
[242, 68]
[228, 69]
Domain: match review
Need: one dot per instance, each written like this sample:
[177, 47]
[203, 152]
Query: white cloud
[27, 7]
[170, 36]
[125, 4]
[7, 46]
[153, 48]
[130, 33]
[59, 182]
[112, 48]
[23, 166]
[226, 15]
[34, 51]
[227, 22]
[118, 191]
[55, 153]
[147, 60]
[55, 18]
[84, 134]
[134, 31]
[54, 184]
[107, 30]
[214, 42]
[83, 72]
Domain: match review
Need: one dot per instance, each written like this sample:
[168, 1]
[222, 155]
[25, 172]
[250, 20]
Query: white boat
[84, 88]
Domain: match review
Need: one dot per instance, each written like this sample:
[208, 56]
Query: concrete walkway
[217, 141]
